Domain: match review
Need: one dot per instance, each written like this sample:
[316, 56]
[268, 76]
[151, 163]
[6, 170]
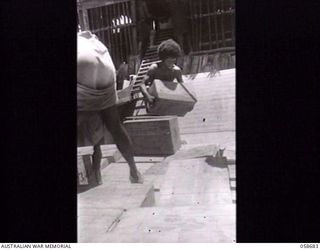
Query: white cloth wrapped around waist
[95, 99]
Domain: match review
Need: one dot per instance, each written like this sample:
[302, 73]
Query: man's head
[169, 49]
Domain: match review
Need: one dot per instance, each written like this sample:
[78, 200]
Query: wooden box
[124, 95]
[154, 136]
[171, 99]
[84, 163]
[87, 175]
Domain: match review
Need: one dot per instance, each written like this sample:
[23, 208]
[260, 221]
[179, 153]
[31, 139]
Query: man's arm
[146, 80]
[179, 75]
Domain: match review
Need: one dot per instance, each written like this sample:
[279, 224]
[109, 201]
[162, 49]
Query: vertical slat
[114, 30]
[115, 52]
[196, 38]
[96, 19]
[80, 18]
[90, 18]
[216, 23]
[117, 34]
[106, 18]
[232, 22]
[134, 29]
[106, 25]
[209, 24]
[122, 56]
[111, 32]
[102, 25]
[200, 26]
[129, 28]
[118, 50]
[93, 15]
[110, 29]
[192, 23]
[125, 30]
[222, 25]
[85, 19]
[99, 25]
[89, 15]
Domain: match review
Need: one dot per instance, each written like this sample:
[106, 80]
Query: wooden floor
[186, 197]
[215, 109]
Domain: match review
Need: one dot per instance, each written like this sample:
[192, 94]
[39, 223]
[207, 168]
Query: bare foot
[136, 179]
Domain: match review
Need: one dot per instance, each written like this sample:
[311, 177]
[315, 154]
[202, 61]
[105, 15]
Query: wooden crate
[154, 136]
[84, 163]
[124, 95]
[86, 174]
[171, 99]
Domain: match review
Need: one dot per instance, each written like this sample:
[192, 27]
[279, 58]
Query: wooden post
[134, 27]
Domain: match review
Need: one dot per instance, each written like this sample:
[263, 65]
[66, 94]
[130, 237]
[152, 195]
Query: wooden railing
[212, 24]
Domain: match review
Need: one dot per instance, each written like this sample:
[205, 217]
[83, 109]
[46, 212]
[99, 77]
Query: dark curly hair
[169, 48]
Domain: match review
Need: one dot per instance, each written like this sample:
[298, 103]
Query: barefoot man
[96, 102]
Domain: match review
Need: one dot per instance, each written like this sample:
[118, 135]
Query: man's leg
[111, 118]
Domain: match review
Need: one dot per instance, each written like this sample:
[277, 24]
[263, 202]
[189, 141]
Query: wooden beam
[210, 14]
[220, 41]
[88, 4]
[212, 51]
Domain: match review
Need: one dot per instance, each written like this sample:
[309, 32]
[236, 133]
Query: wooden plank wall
[115, 25]
[212, 24]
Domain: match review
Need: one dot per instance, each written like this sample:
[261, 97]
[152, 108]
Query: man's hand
[150, 98]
